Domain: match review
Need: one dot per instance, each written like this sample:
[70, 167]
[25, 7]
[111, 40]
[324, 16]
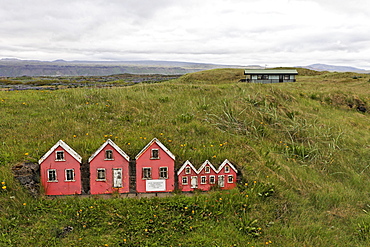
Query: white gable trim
[67, 148]
[118, 149]
[155, 140]
[226, 162]
[187, 163]
[205, 164]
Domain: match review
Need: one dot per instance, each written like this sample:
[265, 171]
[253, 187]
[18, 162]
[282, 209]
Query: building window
[262, 77]
[100, 174]
[230, 179]
[286, 77]
[203, 179]
[187, 170]
[227, 169]
[70, 175]
[208, 169]
[212, 179]
[147, 173]
[184, 180]
[59, 155]
[52, 175]
[155, 154]
[108, 154]
[163, 172]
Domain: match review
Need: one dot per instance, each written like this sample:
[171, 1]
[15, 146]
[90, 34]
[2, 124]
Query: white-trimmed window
[212, 179]
[70, 175]
[203, 180]
[227, 169]
[109, 154]
[147, 173]
[286, 77]
[101, 174]
[230, 179]
[52, 175]
[184, 180]
[187, 170]
[163, 172]
[154, 154]
[59, 156]
[208, 169]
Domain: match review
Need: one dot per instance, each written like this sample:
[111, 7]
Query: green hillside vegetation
[303, 149]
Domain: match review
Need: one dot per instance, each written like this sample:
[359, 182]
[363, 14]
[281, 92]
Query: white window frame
[185, 180]
[98, 170]
[227, 169]
[165, 171]
[154, 151]
[212, 179]
[203, 180]
[187, 170]
[230, 179]
[55, 175]
[144, 173]
[57, 154]
[207, 169]
[106, 155]
[66, 175]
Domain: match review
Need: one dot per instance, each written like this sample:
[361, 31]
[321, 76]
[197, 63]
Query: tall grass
[304, 154]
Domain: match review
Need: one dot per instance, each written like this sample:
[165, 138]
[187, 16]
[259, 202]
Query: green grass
[304, 143]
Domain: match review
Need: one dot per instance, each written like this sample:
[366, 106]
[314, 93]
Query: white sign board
[156, 185]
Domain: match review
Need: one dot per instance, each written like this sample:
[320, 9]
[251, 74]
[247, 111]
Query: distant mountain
[16, 67]
[326, 67]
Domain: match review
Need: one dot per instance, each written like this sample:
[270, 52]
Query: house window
[59, 155]
[262, 77]
[147, 173]
[52, 175]
[212, 179]
[208, 169]
[70, 175]
[230, 179]
[155, 154]
[187, 170]
[100, 172]
[163, 172]
[108, 154]
[227, 169]
[184, 180]
[286, 77]
[203, 179]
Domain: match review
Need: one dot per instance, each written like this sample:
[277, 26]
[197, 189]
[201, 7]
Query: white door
[117, 177]
[221, 180]
[194, 182]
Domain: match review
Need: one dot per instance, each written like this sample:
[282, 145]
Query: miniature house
[207, 176]
[109, 170]
[226, 175]
[187, 177]
[60, 170]
[155, 168]
[270, 75]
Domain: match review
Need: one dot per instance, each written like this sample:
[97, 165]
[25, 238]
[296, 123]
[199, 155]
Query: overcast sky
[240, 32]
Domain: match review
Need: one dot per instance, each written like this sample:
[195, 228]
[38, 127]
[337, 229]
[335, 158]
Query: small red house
[155, 168]
[226, 175]
[187, 177]
[207, 175]
[109, 170]
[60, 170]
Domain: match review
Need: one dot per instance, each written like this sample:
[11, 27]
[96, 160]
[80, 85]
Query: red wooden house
[109, 170]
[60, 170]
[187, 177]
[207, 175]
[155, 168]
[226, 175]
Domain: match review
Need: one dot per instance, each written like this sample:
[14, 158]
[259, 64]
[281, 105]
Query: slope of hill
[302, 147]
[15, 67]
[326, 67]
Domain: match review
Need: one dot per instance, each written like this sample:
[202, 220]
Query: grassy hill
[303, 148]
